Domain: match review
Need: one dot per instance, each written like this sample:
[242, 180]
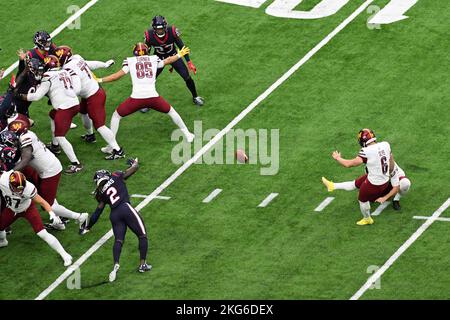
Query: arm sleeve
[40, 92]
[125, 67]
[93, 220]
[96, 65]
[160, 63]
[362, 155]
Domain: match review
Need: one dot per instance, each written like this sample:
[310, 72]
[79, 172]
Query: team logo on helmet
[18, 126]
[64, 53]
[51, 62]
[17, 182]
[365, 137]
[140, 49]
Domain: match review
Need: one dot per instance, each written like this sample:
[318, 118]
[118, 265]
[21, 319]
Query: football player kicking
[93, 98]
[34, 153]
[20, 196]
[62, 87]
[142, 69]
[164, 38]
[379, 165]
[111, 190]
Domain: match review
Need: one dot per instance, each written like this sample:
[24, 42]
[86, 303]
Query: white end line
[212, 195]
[235, 121]
[380, 208]
[324, 204]
[267, 200]
[55, 32]
[400, 250]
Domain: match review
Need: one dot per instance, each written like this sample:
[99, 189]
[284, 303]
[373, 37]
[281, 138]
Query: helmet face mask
[159, 25]
[9, 139]
[36, 68]
[43, 40]
[101, 175]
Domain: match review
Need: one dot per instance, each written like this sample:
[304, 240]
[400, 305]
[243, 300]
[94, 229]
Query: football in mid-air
[241, 156]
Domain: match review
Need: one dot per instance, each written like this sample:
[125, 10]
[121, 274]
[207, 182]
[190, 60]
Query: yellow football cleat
[365, 221]
[328, 184]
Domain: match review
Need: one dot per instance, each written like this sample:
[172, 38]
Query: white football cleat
[83, 219]
[73, 125]
[67, 260]
[3, 243]
[113, 274]
[190, 137]
[107, 149]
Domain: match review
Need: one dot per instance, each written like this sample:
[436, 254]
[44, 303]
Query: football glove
[184, 51]
[133, 162]
[54, 218]
[22, 54]
[192, 67]
[109, 63]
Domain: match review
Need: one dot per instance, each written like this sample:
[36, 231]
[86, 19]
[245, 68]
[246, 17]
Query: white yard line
[267, 200]
[324, 204]
[426, 218]
[146, 195]
[401, 250]
[55, 32]
[219, 136]
[212, 195]
[380, 208]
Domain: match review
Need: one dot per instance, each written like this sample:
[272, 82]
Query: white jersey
[142, 70]
[89, 85]
[43, 160]
[377, 157]
[17, 203]
[396, 175]
[61, 86]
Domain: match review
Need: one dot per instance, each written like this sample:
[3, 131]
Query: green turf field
[393, 80]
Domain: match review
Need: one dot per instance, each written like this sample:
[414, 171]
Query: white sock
[2, 235]
[397, 197]
[87, 123]
[347, 185]
[115, 121]
[178, 121]
[109, 137]
[68, 149]
[62, 211]
[52, 127]
[365, 208]
[53, 243]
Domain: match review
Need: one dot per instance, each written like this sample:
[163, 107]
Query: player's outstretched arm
[134, 166]
[93, 65]
[44, 204]
[181, 53]
[26, 154]
[391, 164]
[391, 194]
[345, 162]
[112, 77]
[94, 218]
[40, 92]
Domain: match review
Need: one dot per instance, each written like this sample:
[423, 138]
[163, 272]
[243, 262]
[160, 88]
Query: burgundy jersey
[114, 192]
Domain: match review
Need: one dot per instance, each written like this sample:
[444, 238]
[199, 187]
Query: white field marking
[380, 208]
[212, 195]
[146, 195]
[216, 138]
[55, 32]
[401, 250]
[324, 204]
[426, 218]
[267, 200]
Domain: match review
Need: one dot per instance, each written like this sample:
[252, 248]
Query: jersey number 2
[144, 69]
[112, 193]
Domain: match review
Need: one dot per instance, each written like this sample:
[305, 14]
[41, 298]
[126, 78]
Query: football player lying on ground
[111, 190]
[379, 164]
[34, 154]
[20, 197]
[142, 69]
[399, 182]
[62, 87]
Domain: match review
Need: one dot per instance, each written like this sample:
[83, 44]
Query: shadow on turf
[93, 285]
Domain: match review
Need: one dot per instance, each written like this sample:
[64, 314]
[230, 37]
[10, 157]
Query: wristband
[100, 80]
[179, 56]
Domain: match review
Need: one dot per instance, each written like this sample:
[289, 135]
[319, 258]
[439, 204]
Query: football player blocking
[41, 165]
[20, 197]
[384, 178]
[111, 189]
[142, 69]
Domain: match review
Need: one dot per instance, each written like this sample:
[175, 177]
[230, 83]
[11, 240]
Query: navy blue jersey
[166, 46]
[115, 191]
